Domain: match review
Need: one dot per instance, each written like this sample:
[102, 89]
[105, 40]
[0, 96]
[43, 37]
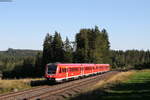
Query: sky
[24, 23]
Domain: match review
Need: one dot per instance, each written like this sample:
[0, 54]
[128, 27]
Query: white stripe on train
[61, 79]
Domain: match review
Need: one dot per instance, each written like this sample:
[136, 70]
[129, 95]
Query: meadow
[14, 85]
[131, 85]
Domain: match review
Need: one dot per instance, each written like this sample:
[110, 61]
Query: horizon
[42, 50]
[24, 24]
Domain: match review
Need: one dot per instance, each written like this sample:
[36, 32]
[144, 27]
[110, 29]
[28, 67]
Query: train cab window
[51, 69]
[60, 70]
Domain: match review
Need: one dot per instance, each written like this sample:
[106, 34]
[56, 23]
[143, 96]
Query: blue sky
[24, 23]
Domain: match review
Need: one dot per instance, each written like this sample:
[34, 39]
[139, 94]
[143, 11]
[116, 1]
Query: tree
[81, 54]
[106, 46]
[57, 46]
[92, 46]
[68, 54]
[39, 71]
[47, 50]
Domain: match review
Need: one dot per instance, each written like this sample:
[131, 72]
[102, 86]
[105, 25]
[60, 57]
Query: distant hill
[16, 60]
[18, 53]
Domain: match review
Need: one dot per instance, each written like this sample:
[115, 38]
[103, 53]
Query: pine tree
[106, 46]
[57, 45]
[47, 49]
[92, 46]
[68, 54]
[39, 71]
[82, 46]
[98, 46]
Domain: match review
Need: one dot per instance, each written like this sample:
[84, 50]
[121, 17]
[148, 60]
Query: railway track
[20, 94]
[57, 92]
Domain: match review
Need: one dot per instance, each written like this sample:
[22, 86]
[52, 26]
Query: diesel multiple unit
[62, 72]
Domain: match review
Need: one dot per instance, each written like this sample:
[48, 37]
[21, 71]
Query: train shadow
[41, 83]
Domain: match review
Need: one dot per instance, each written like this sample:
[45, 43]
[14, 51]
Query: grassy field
[16, 84]
[132, 85]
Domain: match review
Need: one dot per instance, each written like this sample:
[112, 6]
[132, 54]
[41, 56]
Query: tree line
[90, 46]
[137, 59]
[17, 62]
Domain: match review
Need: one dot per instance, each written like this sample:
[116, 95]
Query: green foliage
[15, 62]
[57, 46]
[92, 46]
[68, 51]
[82, 46]
[47, 49]
[53, 49]
[130, 59]
[38, 65]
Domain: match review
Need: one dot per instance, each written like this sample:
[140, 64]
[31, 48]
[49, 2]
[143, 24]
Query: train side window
[77, 69]
[70, 70]
[63, 70]
[93, 67]
[74, 69]
[88, 68]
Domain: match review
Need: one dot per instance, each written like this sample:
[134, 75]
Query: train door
[82, 70]
[62, 72]
[66, 72]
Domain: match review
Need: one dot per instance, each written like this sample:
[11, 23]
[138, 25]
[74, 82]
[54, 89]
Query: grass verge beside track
[15, 85]
[131, 85]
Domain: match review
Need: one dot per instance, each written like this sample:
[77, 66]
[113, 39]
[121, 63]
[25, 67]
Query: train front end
[50, 72]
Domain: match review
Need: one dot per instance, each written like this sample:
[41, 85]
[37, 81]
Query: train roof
[69, 64]
[76, 64]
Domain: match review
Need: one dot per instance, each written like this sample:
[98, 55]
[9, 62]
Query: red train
[62, 72]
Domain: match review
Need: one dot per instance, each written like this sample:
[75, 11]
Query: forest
[90, 46]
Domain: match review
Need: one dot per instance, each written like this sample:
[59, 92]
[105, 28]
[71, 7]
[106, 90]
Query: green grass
[137, 87]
